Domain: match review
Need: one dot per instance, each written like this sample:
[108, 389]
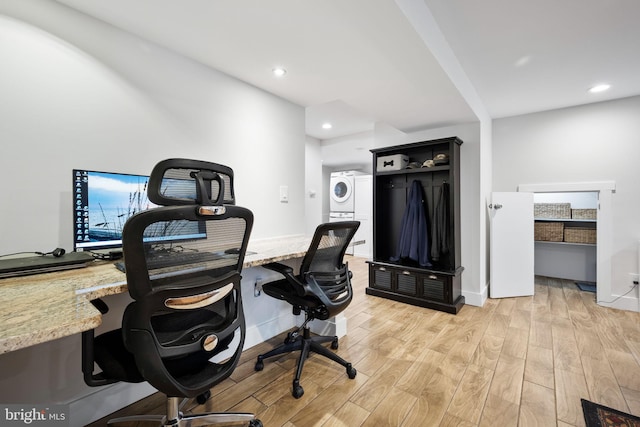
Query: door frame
[604, 246]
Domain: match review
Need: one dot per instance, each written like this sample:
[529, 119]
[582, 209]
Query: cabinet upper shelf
[565, 219]
[565, 243]
[416, 170]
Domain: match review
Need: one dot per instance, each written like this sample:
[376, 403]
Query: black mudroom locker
[416, 224]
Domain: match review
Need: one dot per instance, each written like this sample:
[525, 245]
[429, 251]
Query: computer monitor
[103, 201]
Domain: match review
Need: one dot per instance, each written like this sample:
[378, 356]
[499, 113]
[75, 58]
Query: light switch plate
[284, 194]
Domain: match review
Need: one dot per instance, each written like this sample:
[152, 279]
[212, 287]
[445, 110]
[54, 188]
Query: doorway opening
[604, 227]
[565, 237]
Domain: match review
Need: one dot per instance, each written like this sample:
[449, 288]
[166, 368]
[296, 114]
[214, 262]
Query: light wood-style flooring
[514, 362]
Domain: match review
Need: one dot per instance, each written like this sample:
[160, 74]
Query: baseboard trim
[475, 298]
[105, 401]
[628, 303]
[260, 333]
[335, 326]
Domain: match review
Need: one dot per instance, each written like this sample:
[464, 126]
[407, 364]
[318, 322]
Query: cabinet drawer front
[406, 283]
[433, 287]
[381, 277]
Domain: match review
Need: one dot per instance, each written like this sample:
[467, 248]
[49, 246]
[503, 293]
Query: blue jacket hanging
[414, 241]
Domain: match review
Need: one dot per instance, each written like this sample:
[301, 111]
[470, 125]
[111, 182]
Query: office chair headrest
[191, 182]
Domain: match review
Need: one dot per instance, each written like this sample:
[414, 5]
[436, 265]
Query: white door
[512, 247]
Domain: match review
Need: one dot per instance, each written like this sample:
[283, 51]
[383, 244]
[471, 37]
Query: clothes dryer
[342, 192]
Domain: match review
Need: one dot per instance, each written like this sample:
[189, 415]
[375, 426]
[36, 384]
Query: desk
[44, 307]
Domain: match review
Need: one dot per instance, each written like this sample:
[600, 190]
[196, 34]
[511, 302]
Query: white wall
[314, 188]
[77, 93]
[595, 142]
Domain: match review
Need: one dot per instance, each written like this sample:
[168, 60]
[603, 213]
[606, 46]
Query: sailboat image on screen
[104, 201]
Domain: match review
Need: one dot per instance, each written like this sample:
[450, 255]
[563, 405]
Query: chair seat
[114, 359]
[117, 362]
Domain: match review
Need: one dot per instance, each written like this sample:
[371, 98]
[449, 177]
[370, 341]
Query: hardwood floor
[514, 362]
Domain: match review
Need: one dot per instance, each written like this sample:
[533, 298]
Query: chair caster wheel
[259, 365]
[297, 391]
[202, 398]
[334, 344]
[255, 423]
[291, 337]
[351, 372]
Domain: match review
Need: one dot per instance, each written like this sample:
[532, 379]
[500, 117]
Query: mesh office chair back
[188, 304]
[185, 330]
[323, 266]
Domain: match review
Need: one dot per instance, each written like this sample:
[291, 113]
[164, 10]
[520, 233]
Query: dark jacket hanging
[440, 225]
[414, 241]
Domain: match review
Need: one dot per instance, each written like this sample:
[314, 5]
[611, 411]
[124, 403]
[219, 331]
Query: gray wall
[595, 142]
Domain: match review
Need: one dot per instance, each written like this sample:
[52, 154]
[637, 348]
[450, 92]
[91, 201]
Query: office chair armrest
[285, 270]
[300, 288]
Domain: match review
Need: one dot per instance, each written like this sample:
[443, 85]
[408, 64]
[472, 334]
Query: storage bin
[583, 213]
[394, 162]
[580, 235]
[552, 210]
[548, 231]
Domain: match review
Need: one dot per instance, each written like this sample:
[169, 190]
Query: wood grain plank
[422, 367]
[538, 407]
[468, 401]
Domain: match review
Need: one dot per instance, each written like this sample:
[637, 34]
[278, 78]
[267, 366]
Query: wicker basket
[583, 213]
[552, 210]
[579, 235]
[548, 231]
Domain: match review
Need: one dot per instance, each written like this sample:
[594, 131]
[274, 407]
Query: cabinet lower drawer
[433, 287]
[420, 287]
[381, 278]
[407, 283]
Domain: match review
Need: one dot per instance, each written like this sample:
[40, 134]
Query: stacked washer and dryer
[351, 198]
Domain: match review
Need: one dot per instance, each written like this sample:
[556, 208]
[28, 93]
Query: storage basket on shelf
[579, 235]
[552, 210]
[583, 213]
[548, 231]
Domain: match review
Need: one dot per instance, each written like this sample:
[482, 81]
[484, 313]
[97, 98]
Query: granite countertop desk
[44, 307]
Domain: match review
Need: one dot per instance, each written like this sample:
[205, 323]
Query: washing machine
[341, 187]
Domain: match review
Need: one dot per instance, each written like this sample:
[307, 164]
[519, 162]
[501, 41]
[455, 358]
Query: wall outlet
[257, 287]
[634, 278]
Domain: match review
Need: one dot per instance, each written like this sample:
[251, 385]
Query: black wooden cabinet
[400, 278]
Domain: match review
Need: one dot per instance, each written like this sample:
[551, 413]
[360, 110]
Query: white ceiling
[358, 62]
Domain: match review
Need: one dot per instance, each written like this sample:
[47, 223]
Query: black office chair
[322, 289]
[185, 330]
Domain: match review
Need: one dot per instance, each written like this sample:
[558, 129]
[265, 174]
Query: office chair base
[305, 344]
[211, 418]
[175, 418]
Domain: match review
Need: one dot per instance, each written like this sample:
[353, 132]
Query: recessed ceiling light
[599, 88]
[327, 126]
[279, 72]
[521, 62]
